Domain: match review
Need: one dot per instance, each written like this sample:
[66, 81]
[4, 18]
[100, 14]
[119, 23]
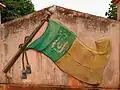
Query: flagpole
[16, 56]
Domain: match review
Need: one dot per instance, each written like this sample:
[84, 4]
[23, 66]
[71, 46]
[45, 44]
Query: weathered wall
[88, 28]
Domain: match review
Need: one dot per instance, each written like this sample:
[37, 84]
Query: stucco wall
[88, 28]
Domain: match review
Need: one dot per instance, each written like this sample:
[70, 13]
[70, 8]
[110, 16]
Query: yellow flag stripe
[84, 63]
[88, 57]
[70, 66]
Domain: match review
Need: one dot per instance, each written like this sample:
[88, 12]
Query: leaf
[15, 9]
[112, 12]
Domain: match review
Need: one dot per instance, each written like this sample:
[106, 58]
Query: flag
[70, 54]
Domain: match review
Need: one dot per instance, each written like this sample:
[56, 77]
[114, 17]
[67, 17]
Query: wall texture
[88, 28]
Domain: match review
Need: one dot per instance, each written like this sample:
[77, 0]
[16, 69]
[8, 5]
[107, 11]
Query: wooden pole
[16, 56]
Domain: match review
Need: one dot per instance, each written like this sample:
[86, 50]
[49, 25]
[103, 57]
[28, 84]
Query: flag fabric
[55, 41]
[70, 55]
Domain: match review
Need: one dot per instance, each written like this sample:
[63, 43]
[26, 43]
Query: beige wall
[88, 28]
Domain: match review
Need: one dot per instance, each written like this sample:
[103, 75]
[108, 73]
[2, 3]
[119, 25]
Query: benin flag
[70, 55]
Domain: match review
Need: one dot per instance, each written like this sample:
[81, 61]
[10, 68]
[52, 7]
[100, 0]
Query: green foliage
[15, 9]
[112, 12]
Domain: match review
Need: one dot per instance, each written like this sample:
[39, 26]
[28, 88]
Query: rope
[25, 70]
